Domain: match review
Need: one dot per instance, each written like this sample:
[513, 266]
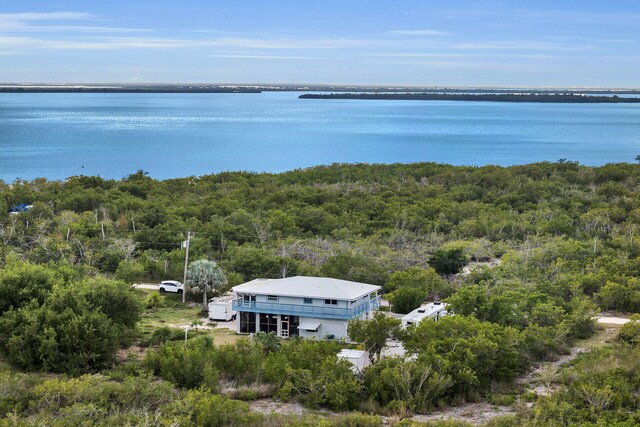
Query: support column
[279, 331]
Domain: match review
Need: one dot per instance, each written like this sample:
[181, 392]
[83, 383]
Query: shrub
[199, 408]
[405, 300]
[163, 335]
[22, 282]
[448, 261]
[188, 365]
[630, 331]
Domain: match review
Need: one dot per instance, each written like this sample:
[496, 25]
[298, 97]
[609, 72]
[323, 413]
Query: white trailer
[221, 308]
[434, 310]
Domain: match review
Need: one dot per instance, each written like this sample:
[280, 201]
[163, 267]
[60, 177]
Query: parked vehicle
[170, 286]
[221, 308]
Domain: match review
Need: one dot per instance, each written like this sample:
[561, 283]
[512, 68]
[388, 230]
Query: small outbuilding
[358, 358]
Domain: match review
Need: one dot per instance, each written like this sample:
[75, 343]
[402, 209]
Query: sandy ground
[267, 406]
[612, 320]
[230, 325]
[151, 286]
[474, 413]
[473, 265]
[393, 348]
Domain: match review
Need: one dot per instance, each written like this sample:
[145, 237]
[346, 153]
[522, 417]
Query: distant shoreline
[485, 97]
[89, 89]
[348, 90]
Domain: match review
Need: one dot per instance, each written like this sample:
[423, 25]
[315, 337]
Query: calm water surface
[175, 135]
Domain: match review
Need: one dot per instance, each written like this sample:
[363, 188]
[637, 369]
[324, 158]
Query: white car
[170, 286]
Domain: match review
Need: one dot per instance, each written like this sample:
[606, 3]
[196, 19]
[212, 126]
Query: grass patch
[605, 335]
[4, 365]
[174, 314]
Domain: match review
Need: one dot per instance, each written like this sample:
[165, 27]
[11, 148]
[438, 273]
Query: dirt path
[149, 286]
[607, 320]
[473, 413]
[268, 406]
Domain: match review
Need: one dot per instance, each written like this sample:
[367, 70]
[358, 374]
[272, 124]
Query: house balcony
[307, 310]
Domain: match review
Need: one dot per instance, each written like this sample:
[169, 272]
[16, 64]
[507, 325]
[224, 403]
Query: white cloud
[113, 43]
[420, 32]
[252, 56]
[32, 22]
[38, 16]
[459, 55]
[521, 45]
[75, 29]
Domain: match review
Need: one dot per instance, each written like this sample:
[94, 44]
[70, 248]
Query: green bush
[448, 261]
[163, 335]
[404, 300]
[201, 409]
[630, 331]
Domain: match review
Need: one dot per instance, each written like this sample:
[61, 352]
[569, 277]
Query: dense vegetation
[524, 256]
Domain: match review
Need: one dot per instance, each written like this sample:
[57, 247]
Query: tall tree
[374, 333]
[206, 276]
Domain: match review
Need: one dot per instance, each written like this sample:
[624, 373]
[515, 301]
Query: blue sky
[472, 43]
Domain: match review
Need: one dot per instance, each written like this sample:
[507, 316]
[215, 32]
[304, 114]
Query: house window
[308, 300]
[331, 302]
[247, 322]
[269, 323]
[272, 298]
[294, 321]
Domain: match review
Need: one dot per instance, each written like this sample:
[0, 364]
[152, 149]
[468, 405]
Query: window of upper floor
[308, 300]
[272, 298]
[331, 302]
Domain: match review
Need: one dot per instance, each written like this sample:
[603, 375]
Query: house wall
[317, 302]
[337, 328]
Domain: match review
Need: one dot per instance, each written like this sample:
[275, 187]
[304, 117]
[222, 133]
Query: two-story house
[303, 306]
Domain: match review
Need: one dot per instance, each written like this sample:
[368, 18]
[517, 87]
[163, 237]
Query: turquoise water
[175, 135]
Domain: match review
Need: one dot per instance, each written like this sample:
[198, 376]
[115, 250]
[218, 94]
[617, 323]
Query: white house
[433, 310]
[310, 307]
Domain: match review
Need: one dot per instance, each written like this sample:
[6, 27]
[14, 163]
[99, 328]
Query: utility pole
[186, 264]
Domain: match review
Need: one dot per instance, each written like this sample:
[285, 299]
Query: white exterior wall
[337, 328]
[317, 302]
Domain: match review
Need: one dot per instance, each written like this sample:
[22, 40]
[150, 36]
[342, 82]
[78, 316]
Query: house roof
[424, 311]
[308, 287]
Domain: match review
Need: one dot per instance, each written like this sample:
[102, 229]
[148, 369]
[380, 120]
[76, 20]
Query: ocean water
[176, 135]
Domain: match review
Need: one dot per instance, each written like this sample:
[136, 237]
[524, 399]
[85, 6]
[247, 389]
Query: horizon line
[272, 84]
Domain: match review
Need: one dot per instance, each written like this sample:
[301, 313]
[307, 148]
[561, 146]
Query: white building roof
[222, 300]
[346, 353]
[307, 287]
[309, 326]
[423, 312]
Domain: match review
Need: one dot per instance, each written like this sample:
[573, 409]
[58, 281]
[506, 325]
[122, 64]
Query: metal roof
[308, 287]
[351, 354]
[424, 311]
[309, 326]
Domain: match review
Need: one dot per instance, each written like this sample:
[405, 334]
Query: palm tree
[206, 276]
[154, 300]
